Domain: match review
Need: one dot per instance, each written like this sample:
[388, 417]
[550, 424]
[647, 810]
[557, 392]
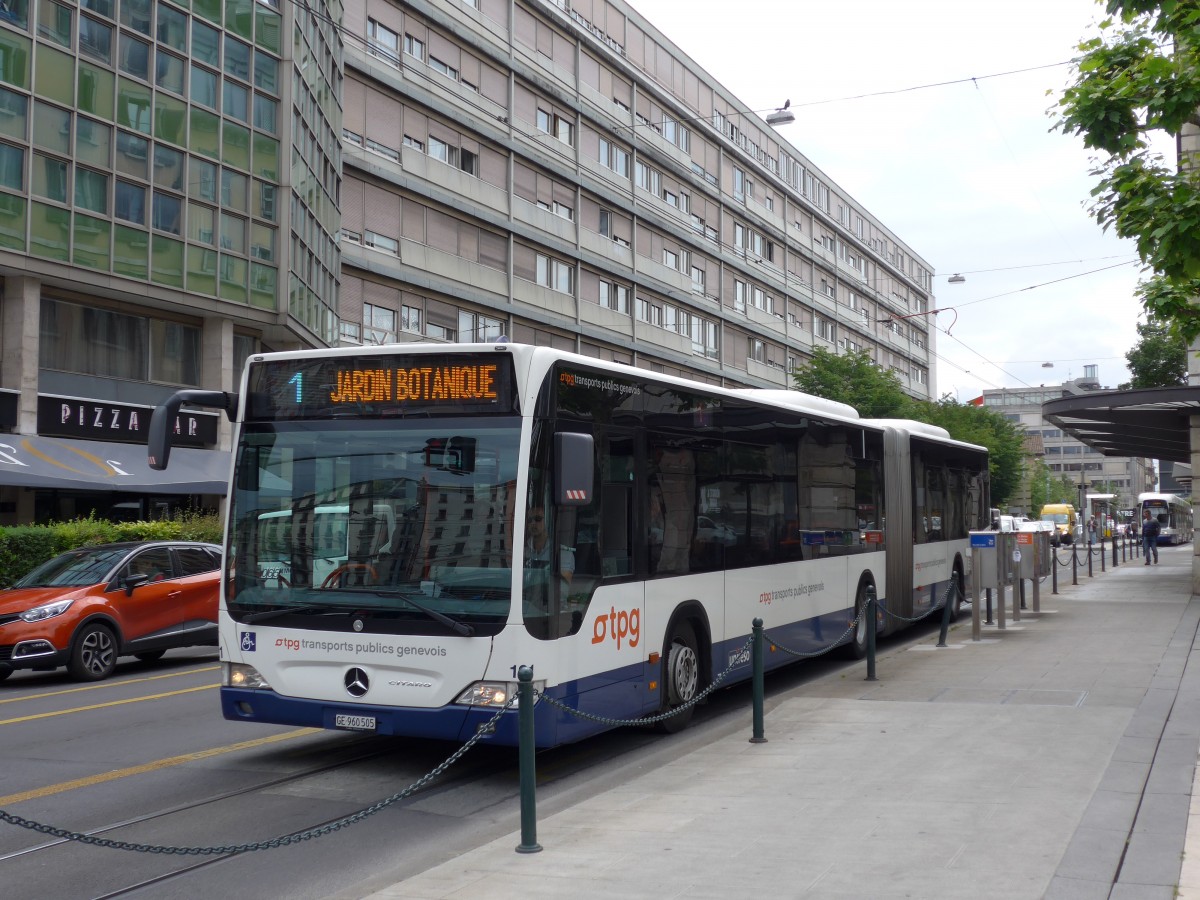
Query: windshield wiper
[285, 610]
[454, 625]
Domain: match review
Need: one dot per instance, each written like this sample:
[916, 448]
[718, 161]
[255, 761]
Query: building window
[555, 274]
[410, 319]
[414, 47]
[108, 344]
[557, 126]
[614, 297]
[476, 329]
[381, 243]
[383, 42]
[438, 66]
[615, 157]
[379, 324]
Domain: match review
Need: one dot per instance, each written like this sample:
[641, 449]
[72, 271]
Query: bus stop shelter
[1153, 422]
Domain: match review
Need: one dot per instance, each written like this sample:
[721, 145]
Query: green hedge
[23, 547]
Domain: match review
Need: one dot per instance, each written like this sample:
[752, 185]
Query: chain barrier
[929, 612]
[295, 837]
[661, 717]
[798, 655]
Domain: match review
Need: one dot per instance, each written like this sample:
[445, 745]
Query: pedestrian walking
[1091, 530]
[1150, 528]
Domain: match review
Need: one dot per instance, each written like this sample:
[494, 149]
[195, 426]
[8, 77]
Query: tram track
[475, 801]
[45, 854]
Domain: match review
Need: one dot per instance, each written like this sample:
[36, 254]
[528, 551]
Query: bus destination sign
[426, 383]
[380, 386]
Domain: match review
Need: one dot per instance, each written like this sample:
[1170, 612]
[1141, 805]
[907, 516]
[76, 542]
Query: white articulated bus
[1174, 515]
[504, 505]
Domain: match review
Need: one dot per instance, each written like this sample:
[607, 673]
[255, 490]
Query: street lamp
[956, 279]
[782, 116]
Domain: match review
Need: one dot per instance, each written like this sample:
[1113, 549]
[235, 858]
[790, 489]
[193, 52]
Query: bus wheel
[681, 677]
[956, 594]
[857, 648]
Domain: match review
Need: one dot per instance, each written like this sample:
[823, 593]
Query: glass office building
[169, 178]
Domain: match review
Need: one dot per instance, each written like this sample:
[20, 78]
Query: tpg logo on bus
[625, 625]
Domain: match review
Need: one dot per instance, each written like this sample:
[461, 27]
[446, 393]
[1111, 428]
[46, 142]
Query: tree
[853, 379]
[1159, 359]
[1140, 79]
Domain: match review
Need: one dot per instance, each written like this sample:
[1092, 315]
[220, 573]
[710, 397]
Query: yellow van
[1062, 516]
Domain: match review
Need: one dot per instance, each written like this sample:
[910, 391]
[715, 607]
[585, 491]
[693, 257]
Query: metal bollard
[976, 591]
[946, 615]
[756, 651]
[1102, 554]
[1114, 554]
[1053, 570]
[1037, 592]
[1074, 565]
[527, 766]
[869, 612]
[1090, 575]
[989, 608]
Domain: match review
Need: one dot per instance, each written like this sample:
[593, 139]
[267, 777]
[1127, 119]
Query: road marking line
[167, 763]
[107, 684]
[63, 712]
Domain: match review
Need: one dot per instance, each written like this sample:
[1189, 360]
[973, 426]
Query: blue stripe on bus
[619, 694]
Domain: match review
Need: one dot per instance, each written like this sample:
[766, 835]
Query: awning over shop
[43, 462]
[1155, 422]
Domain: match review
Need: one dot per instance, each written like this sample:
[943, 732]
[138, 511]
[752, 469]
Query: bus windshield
[408, 521]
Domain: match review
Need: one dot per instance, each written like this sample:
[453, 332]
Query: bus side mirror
[162, 422]
[574, 468]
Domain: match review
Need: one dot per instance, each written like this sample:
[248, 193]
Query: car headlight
[240, 675]
[49, 611]
[492, 693]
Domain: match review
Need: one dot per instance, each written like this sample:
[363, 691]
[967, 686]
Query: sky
[968, 174]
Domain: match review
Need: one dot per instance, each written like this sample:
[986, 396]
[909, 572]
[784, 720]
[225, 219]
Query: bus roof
[547, 356]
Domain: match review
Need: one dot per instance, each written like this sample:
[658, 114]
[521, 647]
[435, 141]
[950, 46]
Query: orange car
[86, 607]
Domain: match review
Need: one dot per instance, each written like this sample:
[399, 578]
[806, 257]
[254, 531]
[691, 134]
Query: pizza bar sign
[101, 420]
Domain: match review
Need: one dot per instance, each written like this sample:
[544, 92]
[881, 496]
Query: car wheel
[4, 673]
[150, 655]
[93, 653]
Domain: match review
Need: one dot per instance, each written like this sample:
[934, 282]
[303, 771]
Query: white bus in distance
[1173, 513]
[615, 529]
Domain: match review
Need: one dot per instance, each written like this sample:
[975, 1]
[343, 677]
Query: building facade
[562, 174]
[185, 184]
[1087, 469]
[169, 178]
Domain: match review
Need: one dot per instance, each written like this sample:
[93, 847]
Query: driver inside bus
[539, 551]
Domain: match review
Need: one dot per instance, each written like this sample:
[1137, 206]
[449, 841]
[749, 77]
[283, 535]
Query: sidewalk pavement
[1054, 759]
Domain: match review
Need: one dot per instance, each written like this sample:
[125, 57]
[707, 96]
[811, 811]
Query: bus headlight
[240, 675]
[488, 693]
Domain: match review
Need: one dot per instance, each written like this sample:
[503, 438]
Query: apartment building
[1066, 457]
[562, 174]
[185, 184]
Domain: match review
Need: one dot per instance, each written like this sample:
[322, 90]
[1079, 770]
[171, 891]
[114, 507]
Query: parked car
[88, 606]
[1036, 526]
[708, 530]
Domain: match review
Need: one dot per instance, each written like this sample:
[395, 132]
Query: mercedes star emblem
[356, 681]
